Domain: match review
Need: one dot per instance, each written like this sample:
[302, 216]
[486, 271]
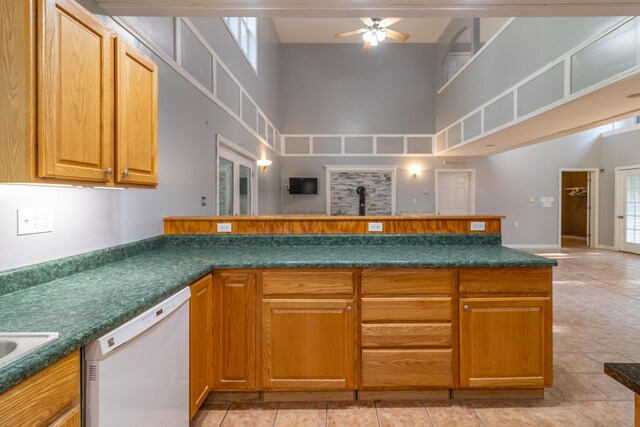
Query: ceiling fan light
[367, 36]
[381, 35]
[374, 41]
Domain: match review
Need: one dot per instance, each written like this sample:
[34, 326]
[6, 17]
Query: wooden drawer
[406, 309]
[44, 397]
[307, 282]
[407, 335]
[512, 281]
[407, 281]
[407, 368]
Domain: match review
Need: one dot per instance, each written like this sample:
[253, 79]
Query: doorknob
[620, 216]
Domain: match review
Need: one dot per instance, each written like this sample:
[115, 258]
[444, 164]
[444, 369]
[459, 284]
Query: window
[244, 30]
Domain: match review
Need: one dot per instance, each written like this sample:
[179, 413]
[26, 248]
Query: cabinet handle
[349, 309]
[125, 172]
[467, 308]
[109, 171]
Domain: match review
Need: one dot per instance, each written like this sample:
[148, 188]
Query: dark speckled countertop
[86, 296]
[627, 374]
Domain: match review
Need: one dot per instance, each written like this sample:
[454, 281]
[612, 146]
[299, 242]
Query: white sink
[14, 345]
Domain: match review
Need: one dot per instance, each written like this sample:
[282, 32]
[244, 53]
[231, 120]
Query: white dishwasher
[138, 374]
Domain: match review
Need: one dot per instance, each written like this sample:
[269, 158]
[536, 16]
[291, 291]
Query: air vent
[93, 373]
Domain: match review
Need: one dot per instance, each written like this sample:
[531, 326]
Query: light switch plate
[34, 221]
[375, 227]
[224, 227]
[477, 226]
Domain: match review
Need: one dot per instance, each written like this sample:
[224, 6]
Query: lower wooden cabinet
[200, 343]
[234, 331]
[308, 344]
[505, 342]
[407, 368]
[51, 397]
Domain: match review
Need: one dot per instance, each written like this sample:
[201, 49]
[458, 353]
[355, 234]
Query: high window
[244, 30]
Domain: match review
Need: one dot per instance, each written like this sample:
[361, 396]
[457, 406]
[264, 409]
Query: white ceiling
[356, 8]
[322, 30]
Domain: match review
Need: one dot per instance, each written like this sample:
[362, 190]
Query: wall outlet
[531, 199]
[34, 221]
[477, 226]
[224, 227]
[375, 227]
[516, 224]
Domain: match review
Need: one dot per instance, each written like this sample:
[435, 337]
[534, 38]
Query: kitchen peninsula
[447, 313]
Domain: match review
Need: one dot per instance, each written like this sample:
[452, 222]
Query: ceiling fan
[376, 30]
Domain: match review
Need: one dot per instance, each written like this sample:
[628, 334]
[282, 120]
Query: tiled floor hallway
[596, 320]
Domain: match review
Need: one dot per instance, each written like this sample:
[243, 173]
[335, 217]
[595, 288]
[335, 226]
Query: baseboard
[443, 394]
[533, 246]
[533, 393]
[607, 247]
[580, 238]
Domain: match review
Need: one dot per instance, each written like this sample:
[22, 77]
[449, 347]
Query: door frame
[225, 144]
[359, 168]
[594, 174]
[619, 210]
[472, 187]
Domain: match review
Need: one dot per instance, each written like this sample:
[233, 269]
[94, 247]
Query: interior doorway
[236, 181]
[455, 192]
[578, 195]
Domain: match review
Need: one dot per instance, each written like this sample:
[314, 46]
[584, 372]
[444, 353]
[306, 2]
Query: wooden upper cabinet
[234, 330]
[136, 116]
[75, 94]
[505, 342]
[308, 344]
[200, 343]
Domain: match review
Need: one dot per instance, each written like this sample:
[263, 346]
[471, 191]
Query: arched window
[459, 53]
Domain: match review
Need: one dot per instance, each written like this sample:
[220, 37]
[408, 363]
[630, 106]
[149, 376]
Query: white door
[629, 211]
[453, 194]
[236, 184]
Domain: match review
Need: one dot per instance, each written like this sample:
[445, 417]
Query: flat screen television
[303, 185]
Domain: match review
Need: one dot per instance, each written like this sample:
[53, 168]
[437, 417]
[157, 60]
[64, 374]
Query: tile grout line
[225, 415]
[275, 417]
[424, 406]
[375, 407]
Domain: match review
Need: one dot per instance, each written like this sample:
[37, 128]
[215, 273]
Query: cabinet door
[200, 343]
[505, 342]
[308, 344]
[71, 418]
[75, 93]
[136, 117]
[234, 331]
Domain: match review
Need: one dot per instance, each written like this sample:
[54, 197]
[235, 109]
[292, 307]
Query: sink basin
[14, 345]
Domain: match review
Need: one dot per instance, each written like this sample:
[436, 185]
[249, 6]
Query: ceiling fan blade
[396, 35]
[366, 46]
[367, 21]
[351, 33]
[387, 22]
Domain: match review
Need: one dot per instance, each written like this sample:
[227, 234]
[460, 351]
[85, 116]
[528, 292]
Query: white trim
[565, 99]
[607, 247]
[343, 137]
[594, 174]
[504, 27]
[472, 187]
[361, 168]
[631, 128]
[173, 63]
[223, 144]
[619, 210]
[254, 67]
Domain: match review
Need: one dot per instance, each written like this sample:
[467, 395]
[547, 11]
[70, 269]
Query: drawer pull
[349, 309]
[466, 308]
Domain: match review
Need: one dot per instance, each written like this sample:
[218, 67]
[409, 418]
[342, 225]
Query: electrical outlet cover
[477, 226]
[375, 227]
[34, 221]
[224, 227]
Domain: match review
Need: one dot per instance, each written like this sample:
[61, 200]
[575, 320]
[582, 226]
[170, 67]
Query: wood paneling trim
[407, 368]
[43, 397]
[514, 281]
[407, 335]
[407, 281]
[200, 343]
[406, 309]
[330, 225]
[308, 282]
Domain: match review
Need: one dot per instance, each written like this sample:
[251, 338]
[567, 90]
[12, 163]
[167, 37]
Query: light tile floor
[596, 319]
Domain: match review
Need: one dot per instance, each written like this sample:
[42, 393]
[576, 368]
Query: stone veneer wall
[344, 199]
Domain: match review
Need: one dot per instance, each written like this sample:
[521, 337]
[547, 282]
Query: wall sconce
[264, 163]
[414, 171]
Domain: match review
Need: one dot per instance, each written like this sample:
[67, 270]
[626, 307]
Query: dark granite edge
[23, 368]
[627, 374]
[36, 274]
[239, 240]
